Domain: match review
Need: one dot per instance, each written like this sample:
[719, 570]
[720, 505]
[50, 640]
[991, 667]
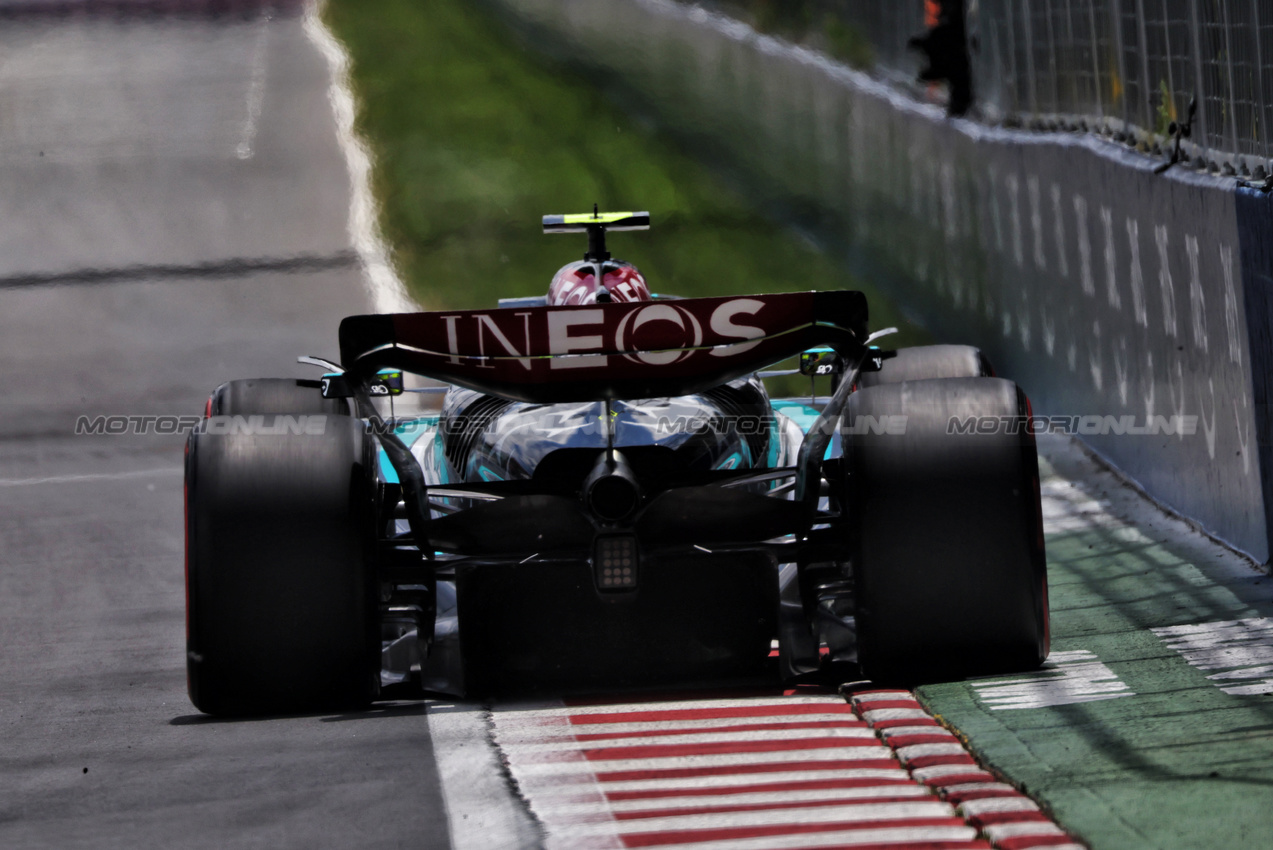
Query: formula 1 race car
[607, 497]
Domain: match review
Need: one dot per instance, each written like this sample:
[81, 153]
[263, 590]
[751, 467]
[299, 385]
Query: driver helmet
[576, 284]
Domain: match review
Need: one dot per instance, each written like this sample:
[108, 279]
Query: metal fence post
[1096, 58]
[1200, 93]
[1261, 104]
[1122, 61]
[1069, 57]
[1228, 61]
[1052, 63]
[1166, 37]
[1012, 57]
[1146, 120]
[1029, 57]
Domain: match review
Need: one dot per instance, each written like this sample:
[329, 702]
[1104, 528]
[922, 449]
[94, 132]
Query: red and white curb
[1005, 817]
[760, 772]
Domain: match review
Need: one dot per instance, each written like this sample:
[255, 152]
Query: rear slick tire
[281, 592]
[279, 396]
[924, 362]
[946, 531]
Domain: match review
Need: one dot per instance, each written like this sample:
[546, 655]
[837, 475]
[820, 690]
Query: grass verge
[474, 140]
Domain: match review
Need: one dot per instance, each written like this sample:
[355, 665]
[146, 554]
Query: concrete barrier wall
[1103, 289]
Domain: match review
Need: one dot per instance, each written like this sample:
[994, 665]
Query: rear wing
[583, 222]
[606, 351]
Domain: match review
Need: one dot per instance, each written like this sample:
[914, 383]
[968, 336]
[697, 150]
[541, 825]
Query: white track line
[256, 90]
[481, 810]
[91, 477]
[1066, 678]
[388, 295]
[1241, 649]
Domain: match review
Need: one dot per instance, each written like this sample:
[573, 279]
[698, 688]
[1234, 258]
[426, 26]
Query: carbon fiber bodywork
[524, 601]
[732, 427]
[603, 482]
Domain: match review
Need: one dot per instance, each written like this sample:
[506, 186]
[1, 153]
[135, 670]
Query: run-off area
[1151, 725]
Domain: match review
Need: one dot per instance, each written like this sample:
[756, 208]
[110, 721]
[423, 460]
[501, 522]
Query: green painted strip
[1170, 760]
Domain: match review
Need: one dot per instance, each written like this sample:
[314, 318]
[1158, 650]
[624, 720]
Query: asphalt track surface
[173, 213]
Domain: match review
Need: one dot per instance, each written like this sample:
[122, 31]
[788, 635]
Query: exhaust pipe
[611, 491]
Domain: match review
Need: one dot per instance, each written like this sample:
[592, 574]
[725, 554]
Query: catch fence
[1127, 68]
[1133, 67]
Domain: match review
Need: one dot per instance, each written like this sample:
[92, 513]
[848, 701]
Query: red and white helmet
[576, 283]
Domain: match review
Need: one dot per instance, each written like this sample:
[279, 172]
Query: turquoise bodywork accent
[439, 459]
[388, 474]
[802, 414]
[771, 460]
[805, 417]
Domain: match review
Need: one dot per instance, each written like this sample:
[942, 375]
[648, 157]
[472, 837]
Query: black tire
[278, 396]
[282, 607]
[946, 531]
[923, 362]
